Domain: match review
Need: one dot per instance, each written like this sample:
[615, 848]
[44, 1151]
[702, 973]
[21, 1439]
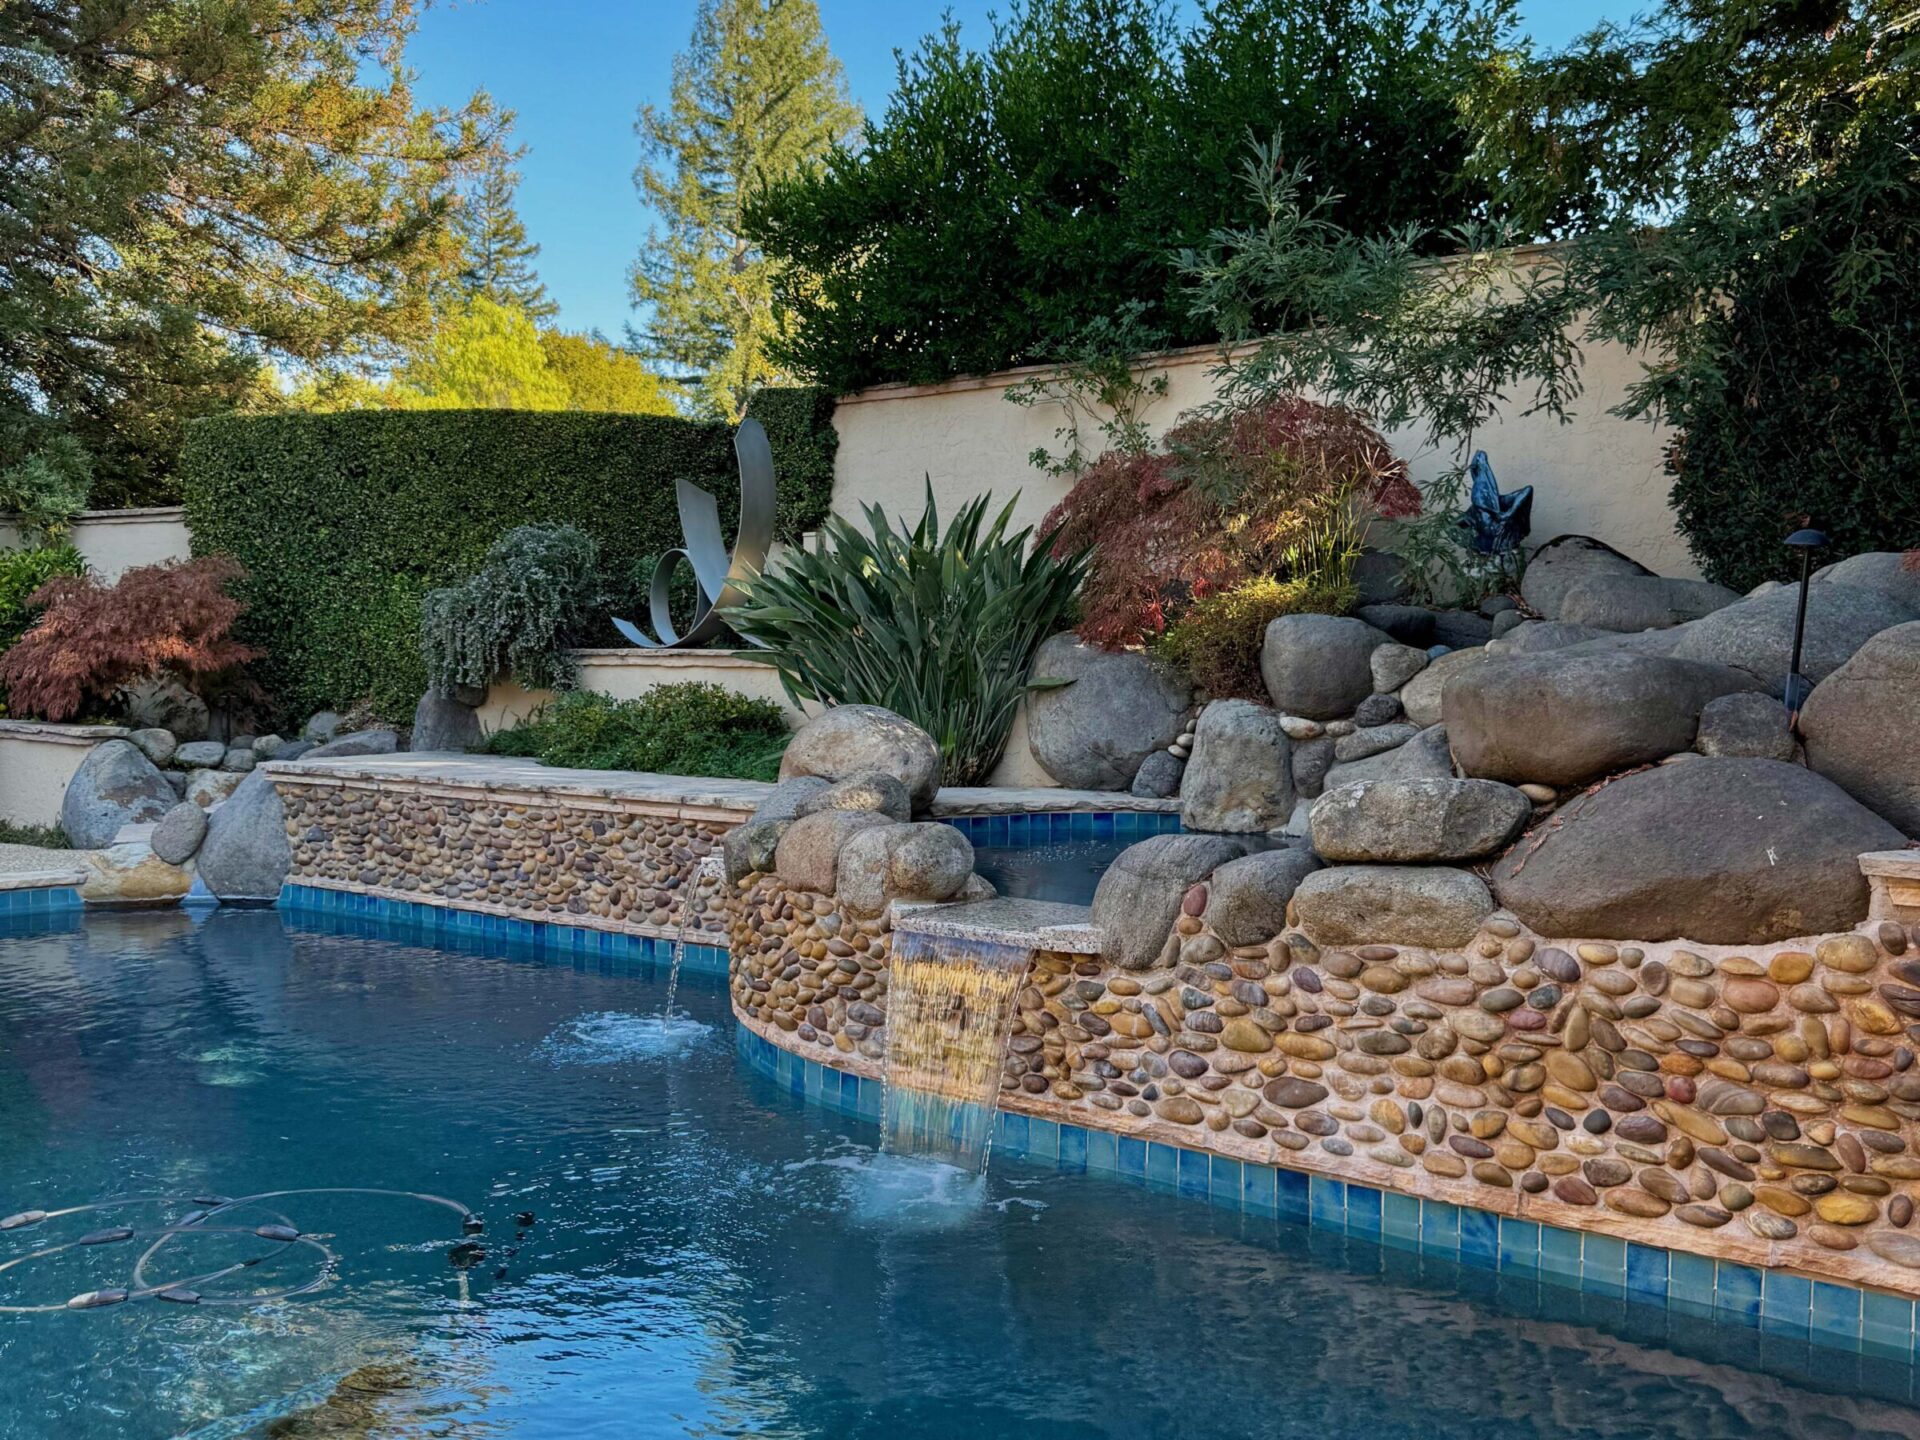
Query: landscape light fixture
[1798, 686]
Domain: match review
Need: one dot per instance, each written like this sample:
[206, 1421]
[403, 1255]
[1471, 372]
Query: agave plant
[939, 627]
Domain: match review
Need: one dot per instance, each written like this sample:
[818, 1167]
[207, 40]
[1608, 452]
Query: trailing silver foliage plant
[511, 617]
[937, 626]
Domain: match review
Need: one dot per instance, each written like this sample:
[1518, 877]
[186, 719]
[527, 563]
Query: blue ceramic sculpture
[1496, 523]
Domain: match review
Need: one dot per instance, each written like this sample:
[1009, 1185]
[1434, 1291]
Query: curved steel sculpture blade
[719, 575]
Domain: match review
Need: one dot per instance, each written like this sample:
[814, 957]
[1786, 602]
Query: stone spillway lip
[41, 879]
[1021, 924]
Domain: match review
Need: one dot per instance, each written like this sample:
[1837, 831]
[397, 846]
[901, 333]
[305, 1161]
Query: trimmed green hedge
[345, 521]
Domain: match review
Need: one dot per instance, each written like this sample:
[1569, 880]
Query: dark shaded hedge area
[345, 521]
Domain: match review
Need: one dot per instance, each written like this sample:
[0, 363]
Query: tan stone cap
[42, 879]
[1897, 864]
[1020, 924]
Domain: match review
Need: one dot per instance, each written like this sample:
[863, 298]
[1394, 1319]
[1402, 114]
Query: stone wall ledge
[42, 879]
[1893, 885]
[1018, 924]
[53, 734]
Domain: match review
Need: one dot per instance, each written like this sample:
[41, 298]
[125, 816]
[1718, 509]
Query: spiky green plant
[937, 626]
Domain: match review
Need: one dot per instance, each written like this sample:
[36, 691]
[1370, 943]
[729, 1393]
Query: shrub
[345, 522]
[1218, 640]
[22, 572]
[938, 626]
[156, 622]
[693, 728]
[537, 584]
[1273, 490]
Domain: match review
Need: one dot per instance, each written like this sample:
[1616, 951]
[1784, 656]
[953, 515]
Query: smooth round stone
[1293, 1093]
[1572, 1190]
[1637, 1203]
[1501, 999]
[1842, 1208]
[1852, 954]
[1768, 1226]
[1790, 967]
[1706, 1217]
[1900, 1211]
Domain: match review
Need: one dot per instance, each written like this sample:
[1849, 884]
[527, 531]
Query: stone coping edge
[1824, 1312]
[1021, 924]
[54, 734]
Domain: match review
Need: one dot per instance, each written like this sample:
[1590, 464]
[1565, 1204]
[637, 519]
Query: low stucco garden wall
[37, 760]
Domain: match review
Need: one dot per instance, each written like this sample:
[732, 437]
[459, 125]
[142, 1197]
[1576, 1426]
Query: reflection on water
[1067, 870]
[707, 1255]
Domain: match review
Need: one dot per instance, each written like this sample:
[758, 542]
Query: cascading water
[950, 1005]
[707, 876]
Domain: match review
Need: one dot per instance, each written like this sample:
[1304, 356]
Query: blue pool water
[712, 1257]
[1063, 870]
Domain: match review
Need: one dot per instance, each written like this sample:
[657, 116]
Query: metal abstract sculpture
[1496, 523]
[720, 575]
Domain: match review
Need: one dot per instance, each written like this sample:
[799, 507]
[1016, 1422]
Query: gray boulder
[879, 793]
[784, 800]
[1561, 720]
[1239, 778]
[1312, 759]
[239, 759]
[207, 788]
[245, 855]
[201, 755]
[1890, 572]
[1427, 905]
[442, 723]
[753, 845]
[851, 740]
[1096, 731]
[1420, 696]
[1394, 664]
[1641, 602]
[1745, 724]
[1247, 898]
[1461, 629]
[1506, 622]
[293, 749]
[115, 785]
[1410, 625]
[1377, 710]
[928, 861]
[1425, 756]
[1372, 740]
[1756, 635]
[1139, 895]
[1319, 666]
[1158, 777]
[1720, 852]
[178, 833]
[1379, 576]
[808, 854]
[360, 742]
[1568, 561]
[1397, 821]
[267, 747]
[1862, 726]
[1532, 637]
[321, 727]
[156, 744]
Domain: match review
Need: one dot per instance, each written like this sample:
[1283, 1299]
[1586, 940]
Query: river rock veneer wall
[1757, 1104]
[602, 863]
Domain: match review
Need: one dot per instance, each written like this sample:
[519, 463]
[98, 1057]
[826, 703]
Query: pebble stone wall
[1752, 1104]
[623, 866]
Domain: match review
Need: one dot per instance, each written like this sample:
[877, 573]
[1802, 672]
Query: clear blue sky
[575, 71]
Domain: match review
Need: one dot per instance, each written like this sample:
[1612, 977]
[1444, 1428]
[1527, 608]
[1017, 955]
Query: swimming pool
[711, 1255]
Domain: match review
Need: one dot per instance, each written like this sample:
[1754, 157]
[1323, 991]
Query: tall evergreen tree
[756, 97]
[496, 257]
[189, 188]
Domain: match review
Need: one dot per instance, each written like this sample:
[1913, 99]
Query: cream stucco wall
[36, 762]
[1599, 475]
[114, 541]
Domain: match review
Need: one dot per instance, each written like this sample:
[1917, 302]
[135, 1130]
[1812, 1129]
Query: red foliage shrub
[93, 640]
[1226, 500]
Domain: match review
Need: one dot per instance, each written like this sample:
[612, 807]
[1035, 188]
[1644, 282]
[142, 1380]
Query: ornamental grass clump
[937, 626]
[1277, 492]
[690, 728]
[93, 642]
[513, 615]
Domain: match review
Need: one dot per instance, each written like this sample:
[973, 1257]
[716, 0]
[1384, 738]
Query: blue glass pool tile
[1603, 1258]
[1133, 1157]
[1439, 1226]
[1736, 1291]
[1786, 1302]
[1043, 1140]
[1364, 1210]
[1073, 1148]
[1193, 1173]
[1886, 1323]
[1080, 825]
[1519, 1244]
[1103, 1152]
[1102, 827]
[1479, 1237]
[1689, 1277]
[1400, 1220]
[1560, 1253]
[1163, 1165]
[1256, 1189]
[871, 1095]
[1224, 1179]
[1647, 1272]
[1836, 1311]
[1327, 1202]
[1290, 1194]
[1060, 826]
[1010, 1133]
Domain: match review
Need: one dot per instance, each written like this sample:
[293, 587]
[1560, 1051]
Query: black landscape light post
[1798, 686]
